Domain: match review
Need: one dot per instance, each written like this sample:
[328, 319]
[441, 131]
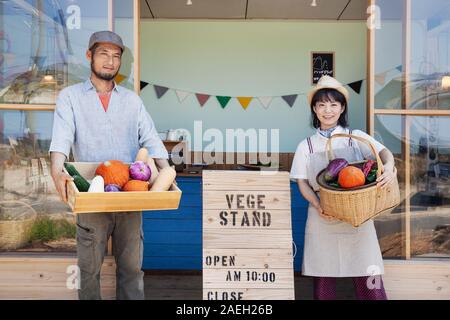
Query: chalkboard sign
[322, 65]
[247, 236]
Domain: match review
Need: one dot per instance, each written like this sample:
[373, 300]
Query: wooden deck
[36, 276]
[188, 286]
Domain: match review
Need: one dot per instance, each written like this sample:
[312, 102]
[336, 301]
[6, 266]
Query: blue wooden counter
[173, 239]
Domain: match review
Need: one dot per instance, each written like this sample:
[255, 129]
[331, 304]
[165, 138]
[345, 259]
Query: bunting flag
[265, 101]
[120, 77]
[202, 98]
[244, 101]
[160, 91]
[143, 84]
[290, 99]
[182, 95]
[223, 100]
[381, 78]
[356, 86]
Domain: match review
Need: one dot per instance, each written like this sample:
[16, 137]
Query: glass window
[430, 186]
[43, 45]
[391, 225]
[32, 217]
[429, 77]
[429, 200]
[388, 38]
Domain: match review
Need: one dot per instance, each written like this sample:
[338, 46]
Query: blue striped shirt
[81, 123]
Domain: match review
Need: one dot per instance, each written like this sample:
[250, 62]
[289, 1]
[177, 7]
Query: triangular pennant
[290, 99]
[143, 84]
[160, 91]
[399, 68]
[244, 101]
[119, 78]
[381, 78]
[223, 100]
[202, 98]
[265, 101]
[356, 86]
[182, 95]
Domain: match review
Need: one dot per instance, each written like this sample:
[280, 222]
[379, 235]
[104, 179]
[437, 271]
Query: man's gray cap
[106, 36]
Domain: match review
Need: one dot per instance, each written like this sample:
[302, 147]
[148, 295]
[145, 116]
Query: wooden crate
[86, 202]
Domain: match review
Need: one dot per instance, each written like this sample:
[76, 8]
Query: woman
[335, 249]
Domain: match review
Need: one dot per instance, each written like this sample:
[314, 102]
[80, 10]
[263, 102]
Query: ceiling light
[189, 3]
[313, 3]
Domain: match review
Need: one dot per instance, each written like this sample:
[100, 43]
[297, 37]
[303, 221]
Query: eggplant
[333, 169]
[367, 167]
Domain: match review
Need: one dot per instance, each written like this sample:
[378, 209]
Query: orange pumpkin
[351, 177]
[113, 172]
[136, 185]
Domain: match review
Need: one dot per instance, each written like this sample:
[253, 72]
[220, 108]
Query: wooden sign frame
[247, 236]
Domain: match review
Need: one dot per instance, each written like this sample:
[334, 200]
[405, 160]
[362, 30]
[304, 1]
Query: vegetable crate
[88, 202]
[357, 205]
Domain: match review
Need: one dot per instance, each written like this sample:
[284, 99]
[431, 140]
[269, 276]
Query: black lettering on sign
[229, 200]
[214, 295]
[223, 217]
[257, 219]
[233, 276]
[223, 261]
[239, 201]
[250, 201]
[245, 221]
[267, 219]
[260, 201]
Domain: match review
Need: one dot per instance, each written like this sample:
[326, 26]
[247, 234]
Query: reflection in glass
[429, 55]
[32, 217]
[43, 45]
[430, 186]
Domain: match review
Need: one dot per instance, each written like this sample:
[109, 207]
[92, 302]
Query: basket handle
[330, 155]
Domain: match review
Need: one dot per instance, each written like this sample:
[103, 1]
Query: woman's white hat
[327, 82]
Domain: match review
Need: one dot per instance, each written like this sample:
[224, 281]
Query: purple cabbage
[139, 170]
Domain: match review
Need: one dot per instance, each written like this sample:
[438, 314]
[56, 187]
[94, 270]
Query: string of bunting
[265, 101]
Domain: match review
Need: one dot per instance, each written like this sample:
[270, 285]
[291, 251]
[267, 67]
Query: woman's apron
[335, 248]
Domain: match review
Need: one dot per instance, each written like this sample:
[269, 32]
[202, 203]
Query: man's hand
[60, 180]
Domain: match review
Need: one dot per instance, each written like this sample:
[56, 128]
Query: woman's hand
[386, 177]
[309, 194]
[323, 214]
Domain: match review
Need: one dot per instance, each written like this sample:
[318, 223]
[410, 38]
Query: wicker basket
[357, 205]
[15, 231]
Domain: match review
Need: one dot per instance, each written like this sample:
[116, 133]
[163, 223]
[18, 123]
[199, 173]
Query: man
[102, 121]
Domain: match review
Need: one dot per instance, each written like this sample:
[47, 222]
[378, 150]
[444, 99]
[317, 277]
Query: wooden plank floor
[189, 287]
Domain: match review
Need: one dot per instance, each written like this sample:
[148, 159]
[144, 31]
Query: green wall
[247, 58]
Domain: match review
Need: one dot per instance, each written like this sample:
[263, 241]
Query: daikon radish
[153, 169]
[165, 179]
[97, 185]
